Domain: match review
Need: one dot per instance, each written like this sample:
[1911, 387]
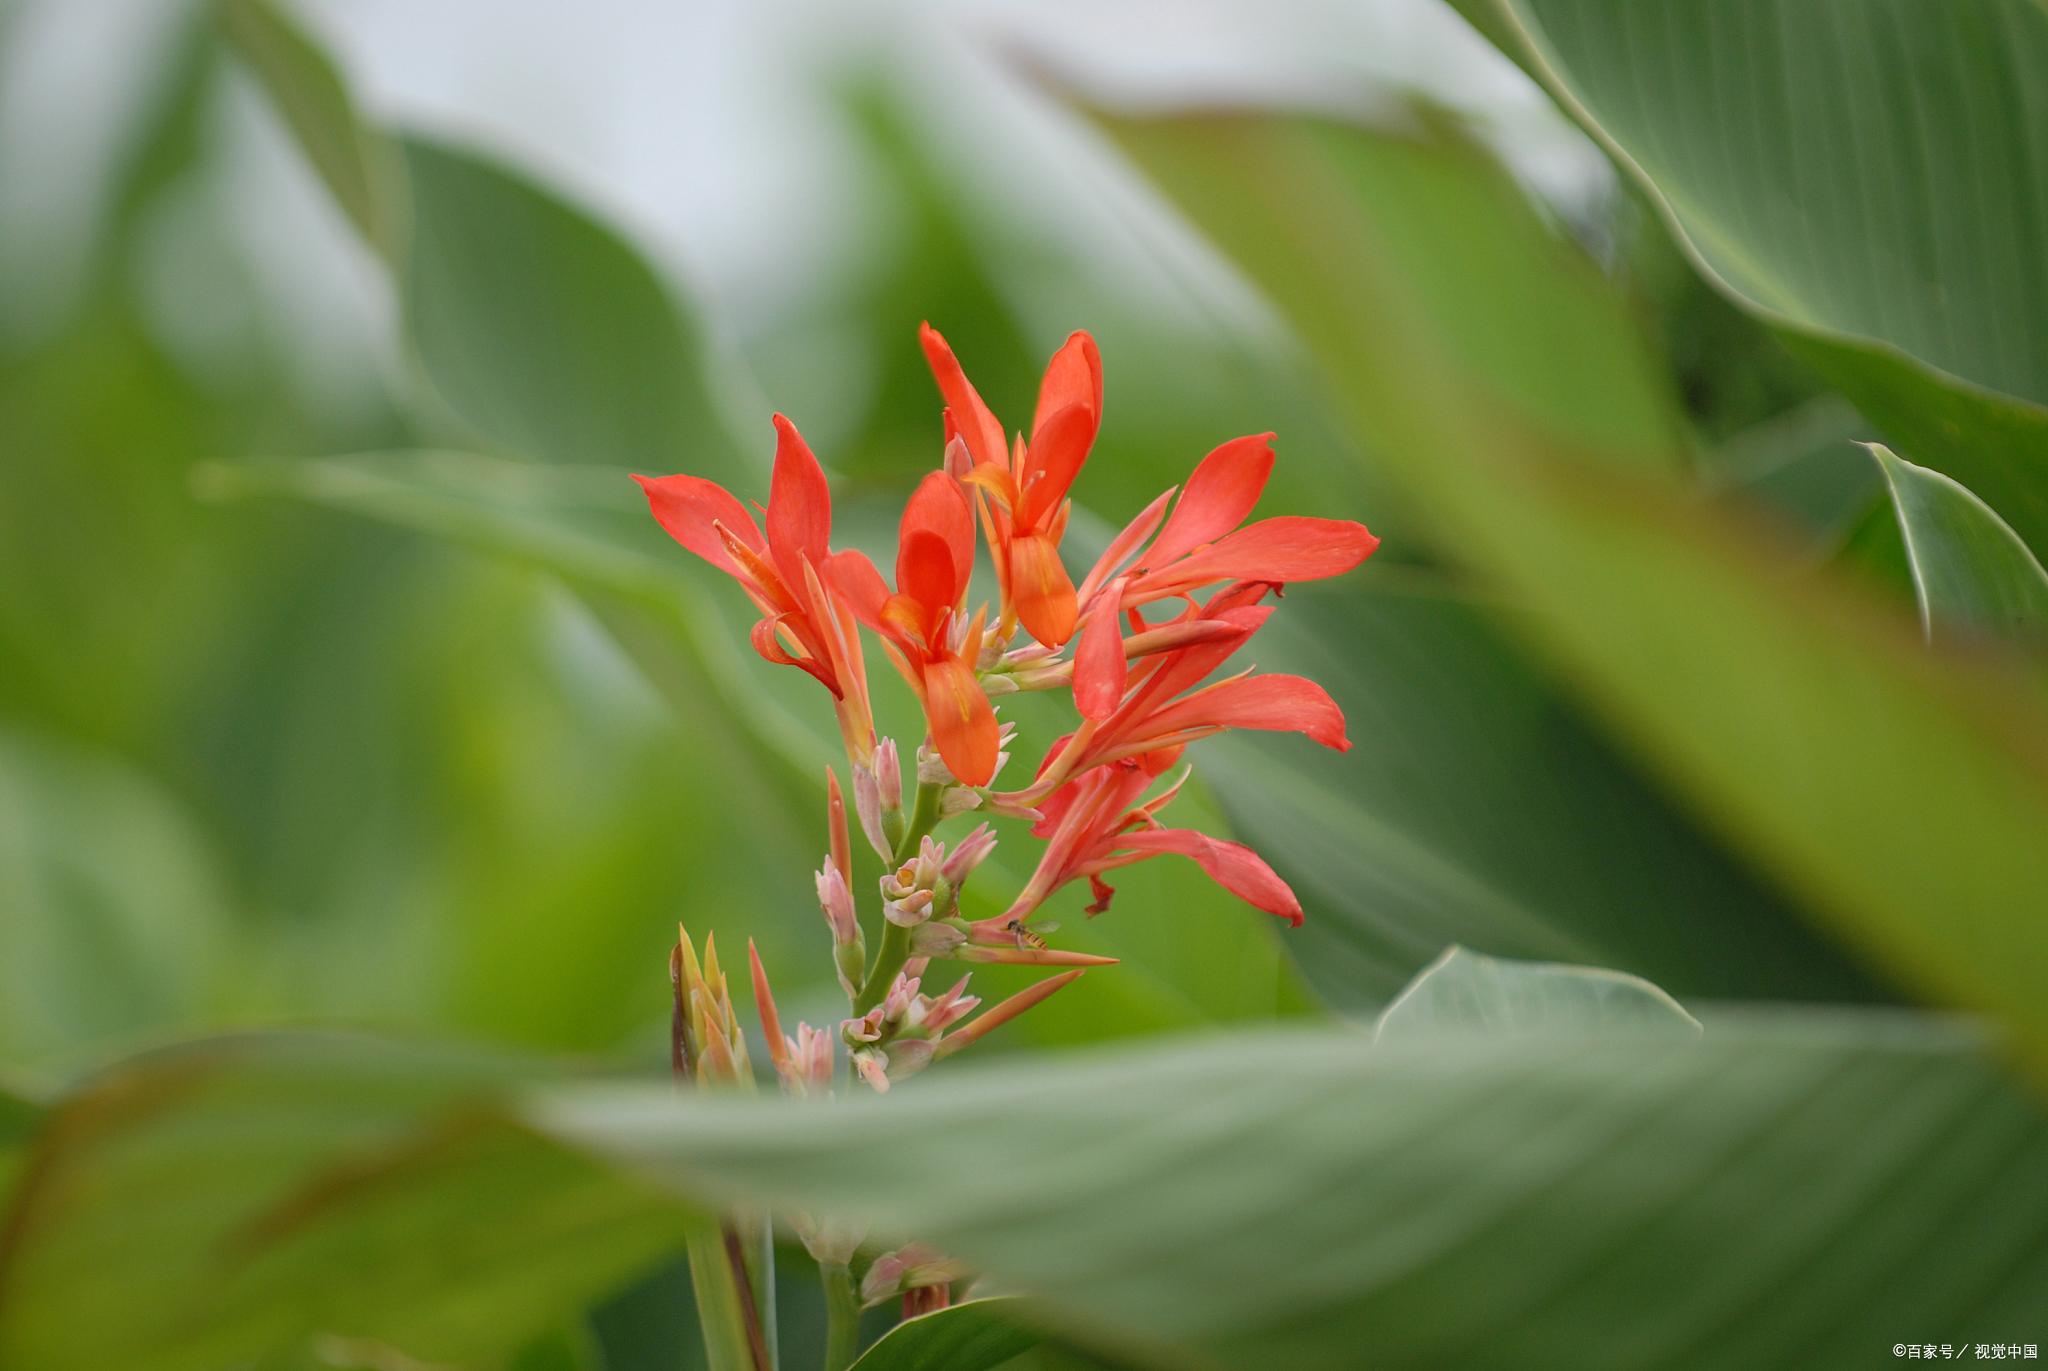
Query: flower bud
[907, 1268]
[931, 768]
[849, 945]
[969, 853]
[938, 938]
[959, 800]
[889, 775]
[878, 799]
[916, 891]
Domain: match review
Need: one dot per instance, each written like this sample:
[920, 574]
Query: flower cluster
[1138, 643]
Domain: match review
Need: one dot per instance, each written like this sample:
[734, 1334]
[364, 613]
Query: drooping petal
[1053, 461]
[1072, 377]
[1280, 550]
[799, 505]
[765, 642]
[688, 507]
[1180, 670]
[1041, 590]
[963, 723]
[978, 425]
[1233, 866]
[1278, 703]
[854, 580]
[1100, 673]
[1219, 496]
[939, 506]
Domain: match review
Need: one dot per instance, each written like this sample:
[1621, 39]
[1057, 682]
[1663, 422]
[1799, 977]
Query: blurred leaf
[357, 164]
[1463, 990]
[1860, 175]
[1971, 573]
[236, 1197]
[973, 1336]
[1767, 1195]
[113, 914]
[1480, 807]
[532, 322]
[1904, 796]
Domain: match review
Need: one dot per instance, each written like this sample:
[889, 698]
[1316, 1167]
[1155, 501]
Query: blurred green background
[344, 679]
[271, 761]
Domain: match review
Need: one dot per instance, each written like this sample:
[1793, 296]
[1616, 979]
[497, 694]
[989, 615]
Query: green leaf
[1463, 990]
[1902, 796]
[1766, 1195]
[233, 1198]
[1481, 807]
[99, 940]
[532, 322]
[1859, 175]
[1971, 573]
[356, 163]
[972, 1336]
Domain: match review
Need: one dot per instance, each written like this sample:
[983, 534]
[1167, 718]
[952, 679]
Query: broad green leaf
[1479, 806]
[533, 323]
[99, 940]
[1764, 1196]
[1463, 991]
[1902, 796]
[1859, 173]
[236, 1197]
[1971, 573]
[972, 1336]
[357, 164]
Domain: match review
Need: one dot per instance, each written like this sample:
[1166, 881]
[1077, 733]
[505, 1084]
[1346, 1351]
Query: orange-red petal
[962, 721]
[799, 505]
[1219, 496]
[1072, 377]
[1054, 460]
[1040, 589]
[940, 507]
[978, 425]
[1233, 866]
[689, 507]
[1280, 703]
[1280, 550]
[1100, 672]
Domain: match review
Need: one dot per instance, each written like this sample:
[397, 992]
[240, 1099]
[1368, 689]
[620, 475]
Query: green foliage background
[335, 733]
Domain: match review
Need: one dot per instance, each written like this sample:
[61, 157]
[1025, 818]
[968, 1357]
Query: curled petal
[1072, 377]
[690, 508]
[799, 505]
[1039, 586]
[771, 649]
[1280, 703]
[1219, 496]
[1233, 866]
[963, 722]
[978, 425]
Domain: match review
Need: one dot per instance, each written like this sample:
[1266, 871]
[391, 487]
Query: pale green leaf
[1971, 573]
[971, 1336]
[1462, 991]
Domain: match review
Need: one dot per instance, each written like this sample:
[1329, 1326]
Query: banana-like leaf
[1971, 574]
[1864, 175]
[1904, 796]
[1463, 991]
[1777, 1193]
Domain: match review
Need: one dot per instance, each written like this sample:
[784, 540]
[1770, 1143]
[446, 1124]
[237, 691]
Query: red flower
[1093, 825]
[1026, 507]
[800, 625]
[1167, 706]
[1200, 545]
[922, 625]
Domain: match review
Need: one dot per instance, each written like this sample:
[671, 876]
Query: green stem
[842, 1316]
[895, 948]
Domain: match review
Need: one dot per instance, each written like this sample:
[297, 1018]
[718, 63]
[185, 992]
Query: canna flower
[1025, 503]
[1166, 706]
[1094, 824]
[801, 625]
[1200, 545]
[922, 627]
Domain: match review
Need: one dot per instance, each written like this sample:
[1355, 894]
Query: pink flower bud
[889, 775]
[906, 1268]
[872, 1067]
[837, 902]
[969, 853]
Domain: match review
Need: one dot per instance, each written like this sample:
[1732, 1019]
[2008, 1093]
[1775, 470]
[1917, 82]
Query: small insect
[1026, 935]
